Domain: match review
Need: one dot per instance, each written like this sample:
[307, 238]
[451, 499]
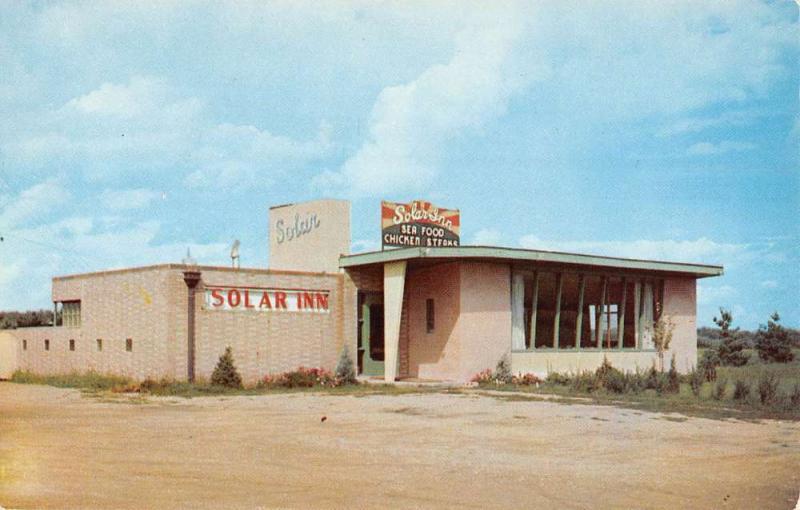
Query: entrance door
[370, 333]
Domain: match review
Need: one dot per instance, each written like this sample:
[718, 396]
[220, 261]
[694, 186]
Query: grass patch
[91, 381]
[94, 383]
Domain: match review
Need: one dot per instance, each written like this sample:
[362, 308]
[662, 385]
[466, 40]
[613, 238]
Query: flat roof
[494, 253]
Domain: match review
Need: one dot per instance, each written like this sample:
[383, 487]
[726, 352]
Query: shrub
[696, 380]
[610, 378]
[584, 382]
[225, 373]
[773, 343]
[303, 377]
[708, 365]
[741, 390]
[767, 387]
[636, 381]
[483, 377]
[345, 370]
[673, 379]
[556, 378]
[794, 397]
[652, 378]
[526, 380]
[502, 373]
[731, 349]
[720, 388]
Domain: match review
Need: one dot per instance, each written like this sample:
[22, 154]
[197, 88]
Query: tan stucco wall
[149, 305]
[317, 250]
[8, 354]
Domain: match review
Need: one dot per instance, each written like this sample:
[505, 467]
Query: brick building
[425, 313]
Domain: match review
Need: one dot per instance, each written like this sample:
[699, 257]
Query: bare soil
[61, 449]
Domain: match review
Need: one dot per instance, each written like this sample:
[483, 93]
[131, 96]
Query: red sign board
[419, 223]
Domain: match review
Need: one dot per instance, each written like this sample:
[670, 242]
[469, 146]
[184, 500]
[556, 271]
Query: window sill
[586, 349]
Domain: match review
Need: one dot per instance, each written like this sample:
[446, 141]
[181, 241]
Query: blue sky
[666, 130]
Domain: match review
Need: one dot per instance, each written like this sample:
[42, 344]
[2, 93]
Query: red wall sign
[267, 300]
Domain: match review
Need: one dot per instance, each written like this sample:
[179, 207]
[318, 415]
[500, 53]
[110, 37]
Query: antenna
[188, 260]
[235, 254]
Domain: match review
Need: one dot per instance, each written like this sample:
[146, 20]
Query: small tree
[662, 336]
[502, 373]
[708, 364]
[673, 380]
[345, 370]
[731, 348]
[225, 373]
[773, 343]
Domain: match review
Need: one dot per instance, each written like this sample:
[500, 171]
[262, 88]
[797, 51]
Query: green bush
[773, 343]
[708, 365]
[696, 380]
[345, 369]
[767, 387]
[720, 388]
[741, 390]
[225, 373]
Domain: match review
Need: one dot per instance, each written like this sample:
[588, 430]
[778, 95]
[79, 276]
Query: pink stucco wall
[680, 306]
[434, 355]
[485, 322]
[473, 319]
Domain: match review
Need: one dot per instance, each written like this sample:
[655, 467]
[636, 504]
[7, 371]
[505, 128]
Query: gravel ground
[59, 449]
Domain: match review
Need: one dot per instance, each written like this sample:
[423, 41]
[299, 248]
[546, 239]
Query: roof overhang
[511, 255]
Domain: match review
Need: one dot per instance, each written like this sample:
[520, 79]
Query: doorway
[370, 333]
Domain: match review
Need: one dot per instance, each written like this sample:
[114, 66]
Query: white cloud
[487, 237]
[712, 149]
[409, 123]
[715, 295]
[702, 250]
[33, 203]
[119, 200]
[141, 95]
[234, 156]
[146, 126]
[769, 284]
[79, 244]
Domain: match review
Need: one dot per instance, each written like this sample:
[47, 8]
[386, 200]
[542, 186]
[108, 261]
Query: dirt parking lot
[59, 449]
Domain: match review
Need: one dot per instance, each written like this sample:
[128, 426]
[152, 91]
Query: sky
[131, 131]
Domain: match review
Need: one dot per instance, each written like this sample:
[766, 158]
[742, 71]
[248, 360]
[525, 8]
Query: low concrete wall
[9, 360]
[542, 363]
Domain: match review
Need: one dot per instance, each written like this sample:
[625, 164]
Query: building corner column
[394, 279]
[191, 278]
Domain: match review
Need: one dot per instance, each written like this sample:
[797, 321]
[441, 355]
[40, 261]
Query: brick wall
[149, 305]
